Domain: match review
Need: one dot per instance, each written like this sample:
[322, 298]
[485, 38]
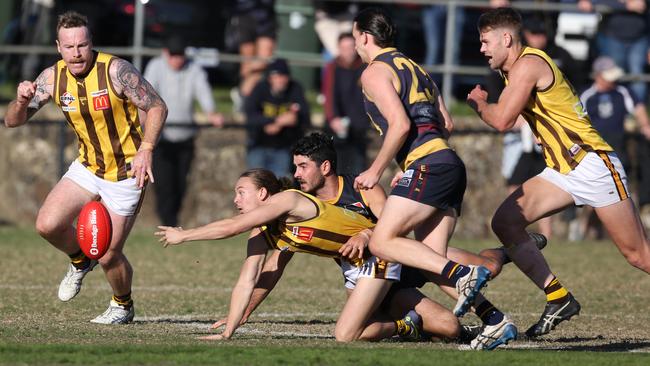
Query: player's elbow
[504, 124]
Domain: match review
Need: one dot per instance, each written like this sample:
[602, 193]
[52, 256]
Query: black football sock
[454, 271]
[489, 314]
[123, 300]
[79, 260]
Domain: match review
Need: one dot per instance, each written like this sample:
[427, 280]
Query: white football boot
[469, 286]
[115, 314]
[493, 336]
[71, 283]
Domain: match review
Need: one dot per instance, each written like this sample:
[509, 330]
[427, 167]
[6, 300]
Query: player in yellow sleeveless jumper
[99, 96]
[581, 168]
[303, 223]
[315, 160]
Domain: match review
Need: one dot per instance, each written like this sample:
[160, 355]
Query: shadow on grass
[594, 344]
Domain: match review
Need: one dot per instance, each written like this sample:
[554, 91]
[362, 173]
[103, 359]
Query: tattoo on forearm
[135, 87]
[41, 95]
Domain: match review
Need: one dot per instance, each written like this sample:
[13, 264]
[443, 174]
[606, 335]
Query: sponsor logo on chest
[101, 100]
[66, 100]
[302, 233]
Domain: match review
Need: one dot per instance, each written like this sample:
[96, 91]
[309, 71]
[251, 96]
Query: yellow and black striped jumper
[107, 125]
[322, 235]
[560, 122]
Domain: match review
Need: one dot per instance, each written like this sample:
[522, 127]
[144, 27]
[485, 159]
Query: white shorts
[598, 181]
[121, 197]
[371, 268]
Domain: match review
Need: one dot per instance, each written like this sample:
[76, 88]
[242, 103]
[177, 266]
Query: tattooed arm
[131, 84]
[30, 97]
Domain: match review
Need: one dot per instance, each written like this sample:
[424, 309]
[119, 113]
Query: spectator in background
[277, 115]
[536, 35]
[179, 82]
[608, 104]
[623, 36]
[434, 20]
[333, 18]
[253, 28]
[344, 111]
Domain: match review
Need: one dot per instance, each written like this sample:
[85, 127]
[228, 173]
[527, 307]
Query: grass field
[180, 291]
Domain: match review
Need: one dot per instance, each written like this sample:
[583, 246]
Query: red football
[94, 230]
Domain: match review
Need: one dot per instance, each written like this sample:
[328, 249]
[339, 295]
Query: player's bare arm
[449, 123]
[375, 198]
[243, 289]
[282, 204]
[379, 86]
[30, 97]
[528, 74]
[130, 83]
[273, 269]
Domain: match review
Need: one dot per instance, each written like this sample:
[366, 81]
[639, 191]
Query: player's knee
[504, 229]
[638, 259]
[447, 326]
[48, 226]
[112, 258]
[374, 246]
[493, 265]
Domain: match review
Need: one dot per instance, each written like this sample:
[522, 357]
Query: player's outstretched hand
[170, 235]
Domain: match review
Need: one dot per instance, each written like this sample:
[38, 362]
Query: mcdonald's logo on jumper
[101, 100]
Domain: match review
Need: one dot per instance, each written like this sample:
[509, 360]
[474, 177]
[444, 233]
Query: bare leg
[353, 323]
[626, 230]
[436, 319]
[61, 207]
[535, 199]
[116, 266]
[399, 216]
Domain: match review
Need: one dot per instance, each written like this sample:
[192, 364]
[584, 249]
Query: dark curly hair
[377, 22]
[318, 147]
[263, 178]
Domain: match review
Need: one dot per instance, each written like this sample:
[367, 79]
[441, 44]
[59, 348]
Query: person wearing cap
[180, 82]
[277, 114]
[581, 167]
[608, 104]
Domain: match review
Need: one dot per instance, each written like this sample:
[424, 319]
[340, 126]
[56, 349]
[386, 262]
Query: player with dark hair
[581, 167]
[99, 95]
[405, 105]
[292, 221]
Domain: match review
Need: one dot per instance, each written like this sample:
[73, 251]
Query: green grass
[180, 291]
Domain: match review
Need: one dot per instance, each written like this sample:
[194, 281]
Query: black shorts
[437, 180]
[529, 165]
